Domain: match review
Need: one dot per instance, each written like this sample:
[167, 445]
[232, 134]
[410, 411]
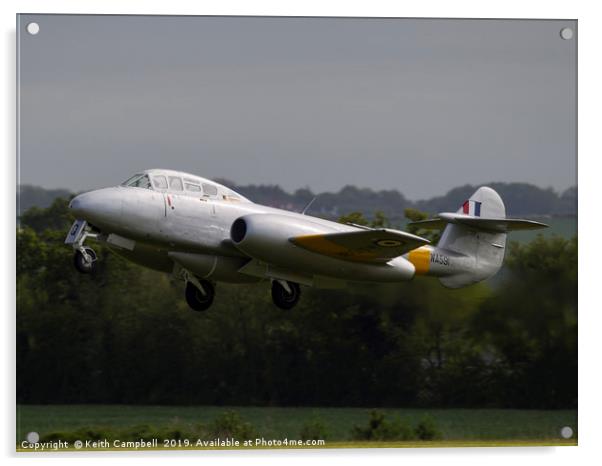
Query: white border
[590, 105]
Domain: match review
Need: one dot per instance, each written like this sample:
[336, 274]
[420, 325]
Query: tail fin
[486, 248]
[472, 246]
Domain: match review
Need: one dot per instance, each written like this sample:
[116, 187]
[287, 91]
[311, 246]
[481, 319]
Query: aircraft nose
[99, 207]
[76, 204]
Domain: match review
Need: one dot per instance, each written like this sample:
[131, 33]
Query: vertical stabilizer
[478, 253]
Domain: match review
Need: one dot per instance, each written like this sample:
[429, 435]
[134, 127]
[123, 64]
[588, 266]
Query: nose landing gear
[84, 260]
[285, 294]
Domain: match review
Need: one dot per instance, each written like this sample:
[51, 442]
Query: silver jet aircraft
[203, 233]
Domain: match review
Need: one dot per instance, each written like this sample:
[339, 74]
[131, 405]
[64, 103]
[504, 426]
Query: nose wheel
[285, 294]
[84, 257]
[84, 260]
[200, 297]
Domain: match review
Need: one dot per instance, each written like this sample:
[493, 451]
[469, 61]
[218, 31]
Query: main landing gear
[199, 293]
[199, 297]
[285, 294]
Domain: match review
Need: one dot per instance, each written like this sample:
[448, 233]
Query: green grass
[457, 426]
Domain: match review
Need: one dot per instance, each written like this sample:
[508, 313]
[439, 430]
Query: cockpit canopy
[138, 181]
[183, 184]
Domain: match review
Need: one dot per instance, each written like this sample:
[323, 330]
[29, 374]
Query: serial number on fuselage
[440, 259]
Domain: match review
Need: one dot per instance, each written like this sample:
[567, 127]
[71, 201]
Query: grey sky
[415, 105]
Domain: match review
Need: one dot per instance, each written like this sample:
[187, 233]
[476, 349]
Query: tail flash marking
[473, 206]
[421, 259]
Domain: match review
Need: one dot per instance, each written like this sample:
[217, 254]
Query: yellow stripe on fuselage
[321, 245]
[421, 258]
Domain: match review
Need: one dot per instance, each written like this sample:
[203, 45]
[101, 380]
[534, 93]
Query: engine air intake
[238, 231]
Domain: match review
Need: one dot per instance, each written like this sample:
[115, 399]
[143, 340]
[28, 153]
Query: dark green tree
[125, 335]
[414, 215]
[529, 325]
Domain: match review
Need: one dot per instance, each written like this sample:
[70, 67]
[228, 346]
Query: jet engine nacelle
[266, 237]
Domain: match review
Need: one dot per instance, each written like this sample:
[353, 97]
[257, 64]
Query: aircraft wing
[375, 245]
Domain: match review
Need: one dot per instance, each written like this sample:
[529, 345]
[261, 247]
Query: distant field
[458, 426]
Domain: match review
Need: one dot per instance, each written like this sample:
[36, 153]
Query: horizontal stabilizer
[501, 225]
[375, 245]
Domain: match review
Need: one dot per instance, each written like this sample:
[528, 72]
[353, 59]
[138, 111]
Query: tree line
[125, 335]
[520, 199]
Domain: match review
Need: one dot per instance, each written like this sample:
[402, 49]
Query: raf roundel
[388, 243]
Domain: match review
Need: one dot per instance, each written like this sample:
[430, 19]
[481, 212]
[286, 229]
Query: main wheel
[195, 297]
[283, 298]
[83, 264]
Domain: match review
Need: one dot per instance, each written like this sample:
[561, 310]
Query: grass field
[459, 427]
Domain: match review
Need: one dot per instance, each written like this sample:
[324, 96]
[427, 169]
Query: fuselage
[178, 216]
[203, 233]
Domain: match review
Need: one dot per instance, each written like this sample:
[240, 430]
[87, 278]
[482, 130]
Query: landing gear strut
[199, 298]
[84, 260]
[199, 293]
[285, 294]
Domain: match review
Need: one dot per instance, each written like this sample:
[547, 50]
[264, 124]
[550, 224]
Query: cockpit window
[209, 190]
[175, 183]
[138, 181]
[130, 179]
[193, 187]
[160, 182]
